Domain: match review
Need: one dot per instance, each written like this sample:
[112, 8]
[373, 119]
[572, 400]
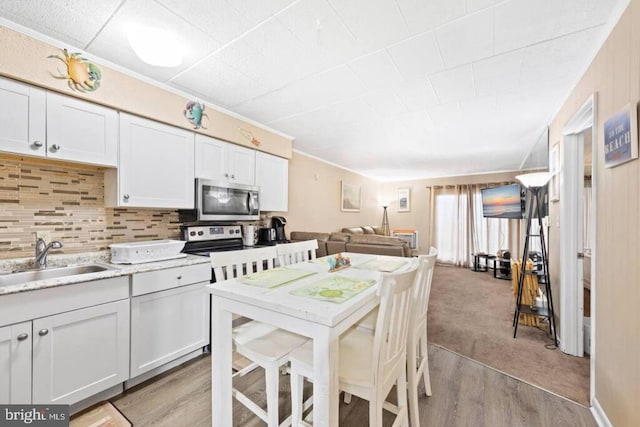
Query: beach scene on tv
[502, 202]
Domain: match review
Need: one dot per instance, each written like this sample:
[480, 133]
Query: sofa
[366, 239]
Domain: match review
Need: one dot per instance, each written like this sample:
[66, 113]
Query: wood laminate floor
[465, 393]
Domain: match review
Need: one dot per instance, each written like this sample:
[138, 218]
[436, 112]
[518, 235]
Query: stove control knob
[193, 233]
[200, 233]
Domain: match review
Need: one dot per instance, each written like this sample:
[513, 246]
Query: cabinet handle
[36, 144]
[179, 277]
[23, 336]
[55, 147]
[125, 196]
[43, 332]
[226, 175]
[233, 176]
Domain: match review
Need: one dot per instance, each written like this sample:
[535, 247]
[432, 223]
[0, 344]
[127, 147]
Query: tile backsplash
[68, 202]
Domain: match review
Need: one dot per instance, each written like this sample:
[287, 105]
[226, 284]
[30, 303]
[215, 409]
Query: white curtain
[458, 228]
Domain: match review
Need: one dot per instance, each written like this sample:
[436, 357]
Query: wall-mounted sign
[194, 112]
[81, 75]
[621, 136]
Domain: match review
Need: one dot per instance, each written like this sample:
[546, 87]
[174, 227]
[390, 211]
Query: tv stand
[502, 268]
[477, 266]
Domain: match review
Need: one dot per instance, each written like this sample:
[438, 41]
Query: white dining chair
[264, 345]
[370, 364]
[417, 355]
[291, 253]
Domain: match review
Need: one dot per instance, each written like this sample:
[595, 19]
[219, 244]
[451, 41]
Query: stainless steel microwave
[226, 201]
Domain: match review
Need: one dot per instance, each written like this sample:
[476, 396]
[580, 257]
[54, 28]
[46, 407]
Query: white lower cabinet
[80, 353]
[167, 325]
[15, 364]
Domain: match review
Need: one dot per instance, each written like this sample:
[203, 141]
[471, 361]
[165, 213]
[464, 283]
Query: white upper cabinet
[155, 168]
[81, 131]
[222, 161]
[22, 121]
[272, 176]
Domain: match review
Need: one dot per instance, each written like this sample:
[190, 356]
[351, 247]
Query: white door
[80, 353]
[242, 165]
[211, 158]
[156, 167]
[167, 325]
[22, 121]
[15, 364]
[272, 176]
[81, 131]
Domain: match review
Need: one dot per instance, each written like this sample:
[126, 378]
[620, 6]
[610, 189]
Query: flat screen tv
[502, 202]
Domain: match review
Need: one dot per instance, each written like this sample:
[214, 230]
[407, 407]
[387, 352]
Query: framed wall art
[621, 136]
[350, 196]
[404, 200]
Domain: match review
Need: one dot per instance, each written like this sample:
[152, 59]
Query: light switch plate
[44, 235]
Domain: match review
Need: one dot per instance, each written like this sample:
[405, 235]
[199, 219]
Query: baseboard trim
[156, 371]
[599, 415]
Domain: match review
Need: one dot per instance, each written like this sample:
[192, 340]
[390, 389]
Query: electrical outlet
[44, 235]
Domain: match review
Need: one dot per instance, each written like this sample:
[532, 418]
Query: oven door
[223, 201]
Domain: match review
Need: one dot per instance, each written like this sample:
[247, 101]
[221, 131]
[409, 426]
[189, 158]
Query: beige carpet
[471, 313]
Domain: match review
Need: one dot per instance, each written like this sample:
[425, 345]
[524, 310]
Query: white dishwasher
[169, 316]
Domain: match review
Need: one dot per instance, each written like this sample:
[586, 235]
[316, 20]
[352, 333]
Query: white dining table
[322, 321]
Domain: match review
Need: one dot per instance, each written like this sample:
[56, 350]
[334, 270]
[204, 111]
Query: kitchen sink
[49, 273]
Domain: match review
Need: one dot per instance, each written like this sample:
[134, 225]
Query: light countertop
[99, 258]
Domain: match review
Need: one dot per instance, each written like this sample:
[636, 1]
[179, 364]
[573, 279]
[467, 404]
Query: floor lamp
[385, 222]
[534, 183]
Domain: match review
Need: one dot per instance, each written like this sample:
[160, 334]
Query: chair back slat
[291, 253]
[392, 325]
[231, 264]
[423, 289]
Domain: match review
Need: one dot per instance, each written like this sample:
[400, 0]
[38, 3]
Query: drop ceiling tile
[73, 21]
[418, 56]
[467, 39]
[425, 15]
[376, 70]
[319, 29]
[112, 43]
[417, 95]
[384, 101]
[335, 85]
[474, 5]
[454, 84]
[256, 11]
[445, 114]
[215, 17]
[559, 59]
[520, 23]
[499, 73]
[374, 23]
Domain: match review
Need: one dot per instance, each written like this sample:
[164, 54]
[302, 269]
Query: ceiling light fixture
[154, 46]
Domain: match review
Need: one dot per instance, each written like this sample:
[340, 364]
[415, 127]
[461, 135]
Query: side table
[477, 266]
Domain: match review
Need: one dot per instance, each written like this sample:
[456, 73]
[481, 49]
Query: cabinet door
[156, 165]
[22, 121]
[211, 158]
[80, 353]
[166, 325]
[272, 176]
[81, 131]
[15, 364]
[242, 165]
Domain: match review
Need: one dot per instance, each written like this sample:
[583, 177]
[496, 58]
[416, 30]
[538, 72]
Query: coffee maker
[278, 223]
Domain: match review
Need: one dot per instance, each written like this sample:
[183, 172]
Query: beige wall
[314, 197]
[614, 76]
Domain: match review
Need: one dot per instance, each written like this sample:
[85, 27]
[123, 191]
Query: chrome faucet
[42, 250]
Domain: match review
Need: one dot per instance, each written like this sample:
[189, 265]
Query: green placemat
[384, 265]
[334, 288]
[274, 277]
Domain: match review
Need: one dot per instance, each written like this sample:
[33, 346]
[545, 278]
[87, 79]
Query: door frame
[571, 181]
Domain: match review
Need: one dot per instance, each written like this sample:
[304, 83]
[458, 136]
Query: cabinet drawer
[159, 280]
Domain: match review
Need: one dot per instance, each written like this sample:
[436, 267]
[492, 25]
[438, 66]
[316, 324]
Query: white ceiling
[389, 88]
